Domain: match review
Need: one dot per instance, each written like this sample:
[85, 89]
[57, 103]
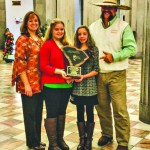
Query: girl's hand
[63, 74]
[80, 79]
[69, 80]
[28, 90]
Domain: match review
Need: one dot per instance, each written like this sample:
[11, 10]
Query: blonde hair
[48, 34]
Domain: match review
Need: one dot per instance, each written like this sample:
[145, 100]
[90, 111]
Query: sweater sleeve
[45, 54]
[129, 47]
[20, 63]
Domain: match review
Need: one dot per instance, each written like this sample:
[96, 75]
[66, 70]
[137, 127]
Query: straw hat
[112, 3]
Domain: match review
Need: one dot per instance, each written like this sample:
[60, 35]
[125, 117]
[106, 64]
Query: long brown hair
[24, 28]
[90, 42]
[49, 35]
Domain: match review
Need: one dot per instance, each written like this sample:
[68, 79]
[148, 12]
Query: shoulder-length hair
[24, 28]
[49, 36]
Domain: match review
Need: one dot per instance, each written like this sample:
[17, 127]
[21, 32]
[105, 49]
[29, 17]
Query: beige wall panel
[65, 11]
[46, 9]
[50, 9]
[40, 9]
[127, 12]
[141, 29]
[133, 15]
[91, 12]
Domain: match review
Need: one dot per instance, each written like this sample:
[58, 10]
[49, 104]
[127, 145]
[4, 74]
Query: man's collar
[113, 20]
[110, 22]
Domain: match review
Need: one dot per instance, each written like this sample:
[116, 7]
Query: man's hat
[112, 3]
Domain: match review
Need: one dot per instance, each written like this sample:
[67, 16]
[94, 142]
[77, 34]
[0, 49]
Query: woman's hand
[27, 87]
[28, 90]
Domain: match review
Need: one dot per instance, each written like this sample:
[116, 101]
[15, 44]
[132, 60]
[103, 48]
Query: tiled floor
[12, 135]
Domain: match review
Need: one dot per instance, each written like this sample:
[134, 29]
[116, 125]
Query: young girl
[84, 94]
[55, 83]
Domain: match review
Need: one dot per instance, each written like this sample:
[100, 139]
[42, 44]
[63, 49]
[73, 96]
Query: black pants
[32, 112]
[89, 112]
[56, 101]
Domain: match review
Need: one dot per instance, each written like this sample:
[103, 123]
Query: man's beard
[110, 17]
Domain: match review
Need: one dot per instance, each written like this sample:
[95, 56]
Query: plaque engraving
[76, 58]
[73, 71]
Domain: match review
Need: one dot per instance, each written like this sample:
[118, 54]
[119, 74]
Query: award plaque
[76, 58]
[73, 71]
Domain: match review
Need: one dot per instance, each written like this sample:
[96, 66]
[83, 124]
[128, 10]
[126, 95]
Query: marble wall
[2, 22]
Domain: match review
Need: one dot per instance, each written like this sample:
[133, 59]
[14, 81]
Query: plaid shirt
[27, 59]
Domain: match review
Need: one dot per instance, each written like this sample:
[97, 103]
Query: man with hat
[115, 41]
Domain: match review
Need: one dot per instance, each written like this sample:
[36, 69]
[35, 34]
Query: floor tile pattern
[12, 135]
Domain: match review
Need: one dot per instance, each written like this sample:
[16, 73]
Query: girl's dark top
[87, 88]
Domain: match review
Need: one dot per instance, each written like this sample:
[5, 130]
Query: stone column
[91, 13]
[46, 9]
[144, 105]
[65, 11]
[50, 9]
[2, 23]
[39, 8]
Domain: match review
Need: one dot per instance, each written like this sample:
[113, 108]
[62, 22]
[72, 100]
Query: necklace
[37, 41]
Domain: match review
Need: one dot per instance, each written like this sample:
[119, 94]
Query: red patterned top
[27, 59]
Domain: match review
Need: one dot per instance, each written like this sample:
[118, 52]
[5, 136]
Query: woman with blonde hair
[56, 85]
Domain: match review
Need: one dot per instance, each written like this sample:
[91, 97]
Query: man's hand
[108, 57]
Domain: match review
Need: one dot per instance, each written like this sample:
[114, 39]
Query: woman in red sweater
[56, 85]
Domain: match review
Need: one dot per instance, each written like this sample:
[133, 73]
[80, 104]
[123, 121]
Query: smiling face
[108, 13]
[58, 31]
[82, 35]
[32, 23]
